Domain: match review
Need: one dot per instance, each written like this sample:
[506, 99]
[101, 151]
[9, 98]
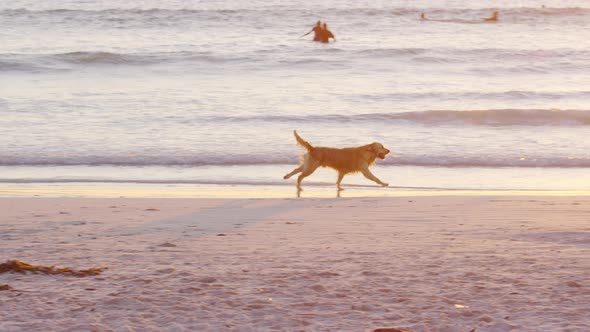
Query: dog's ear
[372, 147]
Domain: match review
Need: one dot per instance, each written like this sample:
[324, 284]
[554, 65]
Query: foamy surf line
[286, 158]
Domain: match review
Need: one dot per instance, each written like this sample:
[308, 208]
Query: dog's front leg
[372, 177]
[340, 177]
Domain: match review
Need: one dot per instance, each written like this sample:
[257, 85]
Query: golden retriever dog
[345, 160]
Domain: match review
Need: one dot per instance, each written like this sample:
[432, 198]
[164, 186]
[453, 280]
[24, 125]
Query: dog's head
[378, 150]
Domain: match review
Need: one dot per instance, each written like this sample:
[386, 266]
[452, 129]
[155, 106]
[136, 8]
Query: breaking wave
[513, 60]
[349, 10]
[286, 158]
[501, 117]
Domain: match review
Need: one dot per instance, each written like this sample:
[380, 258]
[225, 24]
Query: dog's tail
[302, 142]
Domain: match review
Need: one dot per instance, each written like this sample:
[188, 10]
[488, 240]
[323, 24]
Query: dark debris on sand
[15, 266]
[5, 287]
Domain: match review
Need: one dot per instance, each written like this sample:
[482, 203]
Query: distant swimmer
[317, 30]
[494, 17]
[423, 16]
[326, 34]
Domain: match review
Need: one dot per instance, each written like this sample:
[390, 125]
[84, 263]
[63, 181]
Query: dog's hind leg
[308, 168]
[295, 171]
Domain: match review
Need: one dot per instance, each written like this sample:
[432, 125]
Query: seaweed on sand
[22, 267]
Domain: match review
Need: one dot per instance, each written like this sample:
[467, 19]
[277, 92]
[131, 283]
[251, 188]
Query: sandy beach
[144, 147]
[422, 263]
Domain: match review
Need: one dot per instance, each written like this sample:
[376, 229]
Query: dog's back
[345, 160]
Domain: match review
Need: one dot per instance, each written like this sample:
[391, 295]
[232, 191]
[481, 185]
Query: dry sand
[353, 264]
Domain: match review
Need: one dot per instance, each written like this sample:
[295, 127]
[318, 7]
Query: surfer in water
[326, 34]
[317, 30]
[494, 17]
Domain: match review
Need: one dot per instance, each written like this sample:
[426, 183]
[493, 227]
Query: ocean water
[208, 92]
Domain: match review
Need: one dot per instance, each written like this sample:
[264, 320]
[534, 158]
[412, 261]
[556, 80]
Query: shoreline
[267, 181]
[138, 190]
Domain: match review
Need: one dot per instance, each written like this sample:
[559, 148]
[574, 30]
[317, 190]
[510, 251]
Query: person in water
[317, 31]
[423, 16]
[326, 34]
[494, 17]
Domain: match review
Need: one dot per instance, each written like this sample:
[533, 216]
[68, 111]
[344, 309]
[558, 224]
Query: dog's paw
[385, 184]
